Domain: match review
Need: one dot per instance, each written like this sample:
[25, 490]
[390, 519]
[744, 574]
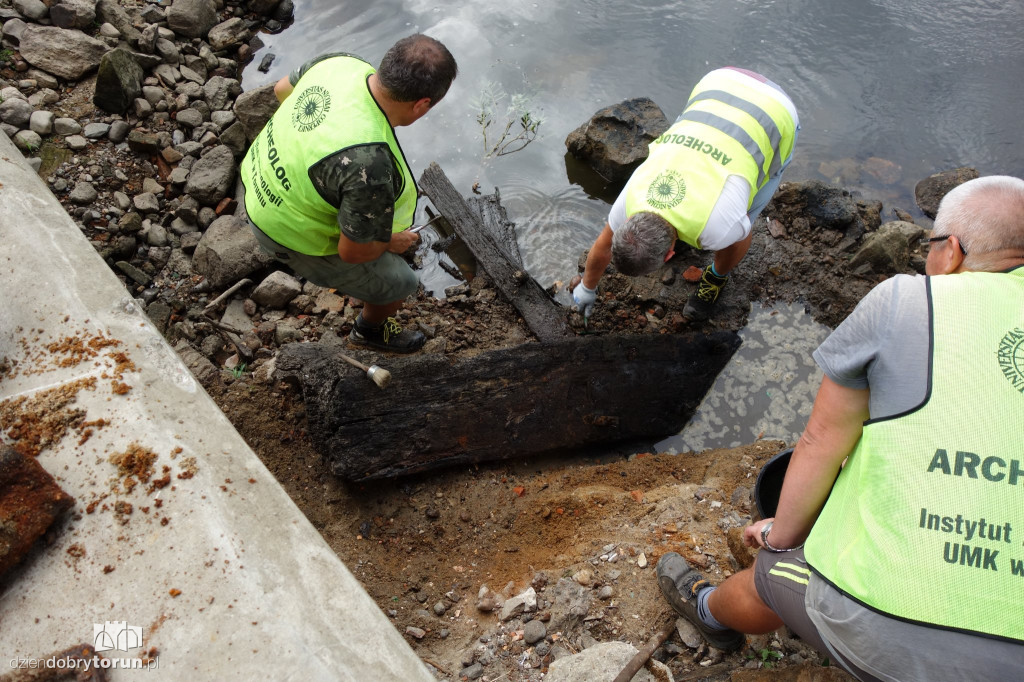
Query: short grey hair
[640, 245]
[986, 215]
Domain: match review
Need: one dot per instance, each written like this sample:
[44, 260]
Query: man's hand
[402, 241]
[752, 533]
[584, 298]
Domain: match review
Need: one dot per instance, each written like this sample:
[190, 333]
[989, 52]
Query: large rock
[228, 252]
[228, 34]
[111, 12]
[262, 6]
[212, 176]
[887, 250]
[34, 10]
[823, 206]
[615, 139]
[67, 54]
[16, 112]
[277, 290]
[78, 14]
[929, 192]
[254, 108]
[13, 28]
[602, 663]
[192, 18]
[219, 92]
[118, 82]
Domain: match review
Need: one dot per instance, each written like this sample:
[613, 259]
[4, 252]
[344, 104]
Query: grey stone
[95, 131]
[473, 672]
[615, 140]
[153, 94]
[228, 33]
[254, 108]
[118, 82]
[31, 9]
[885, 250]
[41, 122]
[688, 633]
[118, 131]
[929, 192]
[222, 119]
[220, 92]
[288, 331]
[212, 176]
[525, 602]
[146, 202]
[189, 117]
[179, 227]
[167, 51]
[606, 592]
[602, 662]
[16, 112]
[78, 14]
[111, 12]
[178, 176]
[234, 138]
[83, 193]
[67, 54]
[192, 18]
[152, 186]
[534, 631]
[134, 273]
[27, 141]
[228, 252]
[203, 370]
[153, 14]
[12, 31]
[66, 126]
[131, 222]
[276, 291]
[43, 98]
[167, 73]
[142, 107]
[190, 75]
[76, 142]
[108, 30]
[155, 235]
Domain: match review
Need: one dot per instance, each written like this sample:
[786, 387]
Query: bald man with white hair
[897, 548]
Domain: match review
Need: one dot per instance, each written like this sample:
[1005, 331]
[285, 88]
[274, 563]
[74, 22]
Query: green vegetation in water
[517, 123]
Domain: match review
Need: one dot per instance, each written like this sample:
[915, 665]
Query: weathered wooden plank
[546, 319]
[509, 403]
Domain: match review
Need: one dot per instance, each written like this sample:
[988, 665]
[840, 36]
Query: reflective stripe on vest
[728, 128]
[926, 520]
[330, 110]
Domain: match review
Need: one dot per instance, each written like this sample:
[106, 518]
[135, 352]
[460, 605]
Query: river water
[889, 92]
[924, 85]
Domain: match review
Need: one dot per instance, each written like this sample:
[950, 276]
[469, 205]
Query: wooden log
[545, 318]
[509, 403]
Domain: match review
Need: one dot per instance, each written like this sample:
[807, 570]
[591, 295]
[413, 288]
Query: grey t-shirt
[884, 344]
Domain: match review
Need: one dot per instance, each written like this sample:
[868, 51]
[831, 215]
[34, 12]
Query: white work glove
[584, 298]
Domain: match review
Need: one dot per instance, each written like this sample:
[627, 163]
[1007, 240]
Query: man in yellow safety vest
[897, 548]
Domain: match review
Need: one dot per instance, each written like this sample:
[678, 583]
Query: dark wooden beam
[545, 318]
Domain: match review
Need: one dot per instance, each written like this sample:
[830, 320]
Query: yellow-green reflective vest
[926, 520]
[330, 109]
[727, 128]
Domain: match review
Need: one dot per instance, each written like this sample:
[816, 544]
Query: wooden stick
[638, 661]
[234, 287]
[378, 375]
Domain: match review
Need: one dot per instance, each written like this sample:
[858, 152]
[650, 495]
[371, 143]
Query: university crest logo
[1011, 357]
[667, 190]
[311, 108]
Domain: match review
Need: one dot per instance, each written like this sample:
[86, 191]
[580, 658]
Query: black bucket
[769, 483]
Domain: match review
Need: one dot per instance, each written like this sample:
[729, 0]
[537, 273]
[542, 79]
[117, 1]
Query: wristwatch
[767, 545]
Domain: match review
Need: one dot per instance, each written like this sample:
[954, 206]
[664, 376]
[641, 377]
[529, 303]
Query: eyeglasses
[927, 241]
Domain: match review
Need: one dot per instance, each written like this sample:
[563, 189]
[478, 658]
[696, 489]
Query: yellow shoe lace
[390, 328]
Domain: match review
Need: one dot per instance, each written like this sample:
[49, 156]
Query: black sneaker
[698, 306]
[680, 584]
[388, 336]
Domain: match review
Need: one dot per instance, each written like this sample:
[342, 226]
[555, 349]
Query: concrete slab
[205, 566]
